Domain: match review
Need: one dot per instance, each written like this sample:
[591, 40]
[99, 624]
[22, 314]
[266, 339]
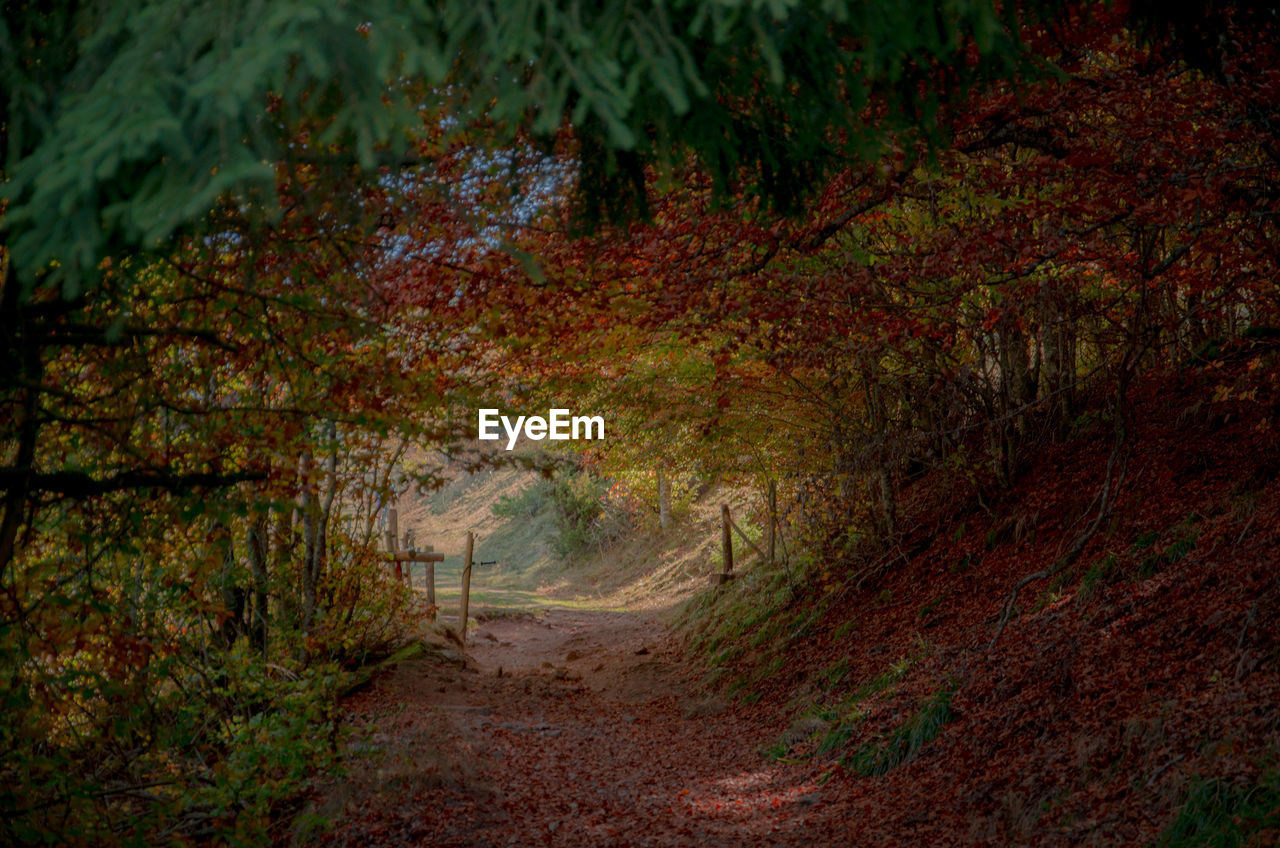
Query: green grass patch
[765, 613]
[1155, 563]
[931, 607]
[528, 502]
[769, 669]
[835, 674]
[756, 601]
[1146, 540]
[727, 656]
[887, 679]
[1053, 592]
[806, 626]
[842, 632]
[904, 743]
[846, 716]
[1098, 575]
[840, 734]
[717, 676]
[769, 632]
[1222, 814]
[776, 752]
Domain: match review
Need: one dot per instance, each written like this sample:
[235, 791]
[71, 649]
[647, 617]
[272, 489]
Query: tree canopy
[124, 124]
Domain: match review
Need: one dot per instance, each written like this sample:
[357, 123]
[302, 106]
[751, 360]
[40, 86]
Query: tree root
[1105, 500]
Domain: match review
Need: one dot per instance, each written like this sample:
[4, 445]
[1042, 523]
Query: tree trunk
[21, 362]
[282, 555]
[1058, 358]
[1017, 391]
[310, 511]
[233, 595]
[880, 482]
[664, 499]
[315, 521]
[258, 566]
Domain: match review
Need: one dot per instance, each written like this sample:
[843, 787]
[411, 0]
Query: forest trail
[563, 728]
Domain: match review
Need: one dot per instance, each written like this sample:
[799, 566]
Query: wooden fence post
[726, 542]
[431, 579]
[428, 558]
[466, 585]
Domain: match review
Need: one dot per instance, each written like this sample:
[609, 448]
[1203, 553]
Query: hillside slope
[1136, 693]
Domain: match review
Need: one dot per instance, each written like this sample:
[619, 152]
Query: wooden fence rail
[729, 527]
[428, 557]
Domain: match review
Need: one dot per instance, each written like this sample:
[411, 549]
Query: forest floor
[564, 727]
[1132, 699]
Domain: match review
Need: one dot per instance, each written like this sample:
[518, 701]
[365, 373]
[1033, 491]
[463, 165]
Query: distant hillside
[648, 569]
[514, 548]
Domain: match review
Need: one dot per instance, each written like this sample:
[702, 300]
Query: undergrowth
[526, 503]
[905, 742]
[587, 514]
[1146, 558]
[842, 719]
[756, 601]
[882, 754]
[1226, 814]
[892, 675]
[1098, 575]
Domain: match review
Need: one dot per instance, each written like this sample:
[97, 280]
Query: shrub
[221, 749]
[590, 514]
[526, 503]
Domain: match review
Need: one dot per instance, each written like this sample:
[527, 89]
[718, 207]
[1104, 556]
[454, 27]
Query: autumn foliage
[968, 263]
[954, 307]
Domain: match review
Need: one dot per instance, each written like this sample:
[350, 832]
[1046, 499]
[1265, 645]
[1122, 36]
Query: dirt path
[565, 728]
